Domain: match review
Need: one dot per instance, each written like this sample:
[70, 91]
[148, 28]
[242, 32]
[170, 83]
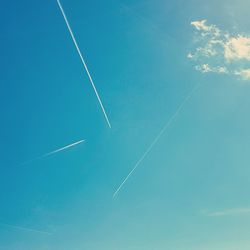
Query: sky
[178, 68]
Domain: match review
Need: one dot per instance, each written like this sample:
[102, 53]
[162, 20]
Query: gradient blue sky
[192, 190]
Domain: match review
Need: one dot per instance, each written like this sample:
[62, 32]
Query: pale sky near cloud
[219, 51]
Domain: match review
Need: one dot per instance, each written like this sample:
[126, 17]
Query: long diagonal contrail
[83, 62]
[54, 152]
[172, 118]
[25, 229]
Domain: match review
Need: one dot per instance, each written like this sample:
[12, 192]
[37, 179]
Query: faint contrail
[53, 152]
[25, 229]
[156, 138]
[83, 61]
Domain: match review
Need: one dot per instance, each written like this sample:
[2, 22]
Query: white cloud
[206, 29]
[220, 52]
[200, 25]
[207, 51]
[238, 48]
[228, 212]
[205, 68]
[221, 70]
[243, 73]
[190, 56]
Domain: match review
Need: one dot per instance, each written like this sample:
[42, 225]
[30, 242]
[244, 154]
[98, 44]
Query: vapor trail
[172, 118]
[83, 61]
[54, 152]
[25, 229]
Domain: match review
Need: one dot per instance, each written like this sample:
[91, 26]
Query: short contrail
[54, 152]
[172, 118]
[25, 229]
[83, 62]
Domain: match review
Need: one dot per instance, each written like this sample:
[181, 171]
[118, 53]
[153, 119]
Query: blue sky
[190, 192]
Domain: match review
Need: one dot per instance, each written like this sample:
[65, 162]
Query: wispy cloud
[220, 52]
[205, 68]
[26, 229]
[244, 73]
[227, 212]
[206, 29]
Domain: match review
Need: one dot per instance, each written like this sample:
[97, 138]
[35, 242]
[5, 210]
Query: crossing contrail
[25, 229]
[83, 62]
[54, 152]
[172, 118]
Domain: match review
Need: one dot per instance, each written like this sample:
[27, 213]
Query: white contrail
[25, 229]
[83, 61]
[63, 148]
[156, 138]
[53, 152]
